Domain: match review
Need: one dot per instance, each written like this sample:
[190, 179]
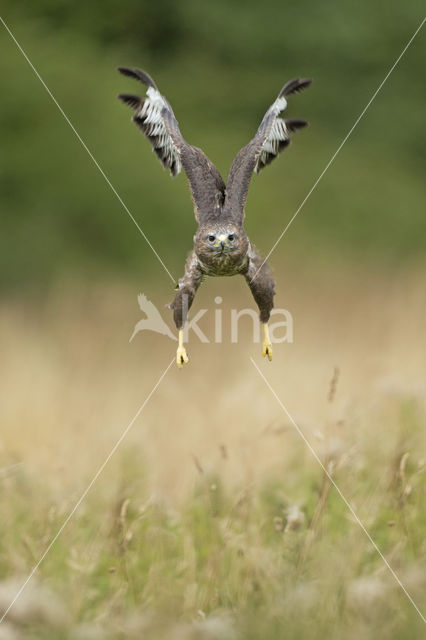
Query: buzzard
[221, 246]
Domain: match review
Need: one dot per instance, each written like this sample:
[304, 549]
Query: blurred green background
[220, 65]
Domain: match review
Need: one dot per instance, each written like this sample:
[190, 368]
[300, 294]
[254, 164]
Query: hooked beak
[222, 241]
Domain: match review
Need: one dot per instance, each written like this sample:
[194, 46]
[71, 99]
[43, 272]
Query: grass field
[213, 519]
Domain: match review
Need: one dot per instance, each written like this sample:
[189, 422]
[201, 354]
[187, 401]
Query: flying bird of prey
[221, 246]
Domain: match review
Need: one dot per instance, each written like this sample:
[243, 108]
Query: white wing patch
[149, 118]
[278, 137]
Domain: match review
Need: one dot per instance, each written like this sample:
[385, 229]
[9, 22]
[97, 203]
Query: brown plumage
[221, 246]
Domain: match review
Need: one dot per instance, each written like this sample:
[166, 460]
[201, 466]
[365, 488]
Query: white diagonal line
[86, 491]
[96, 163]
[340, 146]
[318, 459]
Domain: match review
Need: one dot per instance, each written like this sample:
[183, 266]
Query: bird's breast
[223, 264]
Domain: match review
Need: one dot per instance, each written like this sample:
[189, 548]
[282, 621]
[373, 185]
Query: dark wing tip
[138, 74]
[295, 86]
[127, 71]
[132, 101]
[293, 124]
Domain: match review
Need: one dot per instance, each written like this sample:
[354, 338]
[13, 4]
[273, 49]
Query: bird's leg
[181, 355]
[267, 346]
[184, 297]
[261, 283]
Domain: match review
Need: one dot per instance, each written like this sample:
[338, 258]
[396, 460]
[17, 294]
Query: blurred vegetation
[279, 560]
[220, 64]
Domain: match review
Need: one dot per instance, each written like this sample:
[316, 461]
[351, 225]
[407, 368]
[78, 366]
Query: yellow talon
[181, 355]
[267, 346]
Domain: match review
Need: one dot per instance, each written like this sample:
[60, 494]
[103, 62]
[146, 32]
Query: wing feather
[272, 137]
[155, 117]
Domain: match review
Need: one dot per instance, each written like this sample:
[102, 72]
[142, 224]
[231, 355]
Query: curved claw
[267, 350]
[181, 357]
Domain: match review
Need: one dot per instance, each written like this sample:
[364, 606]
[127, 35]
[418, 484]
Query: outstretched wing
[272, 137]
[155, 117]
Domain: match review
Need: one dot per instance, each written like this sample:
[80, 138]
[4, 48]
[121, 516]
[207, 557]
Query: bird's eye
[231, 237]
[211, 238]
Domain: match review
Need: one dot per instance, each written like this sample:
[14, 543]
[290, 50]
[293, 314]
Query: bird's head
[220, 239]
